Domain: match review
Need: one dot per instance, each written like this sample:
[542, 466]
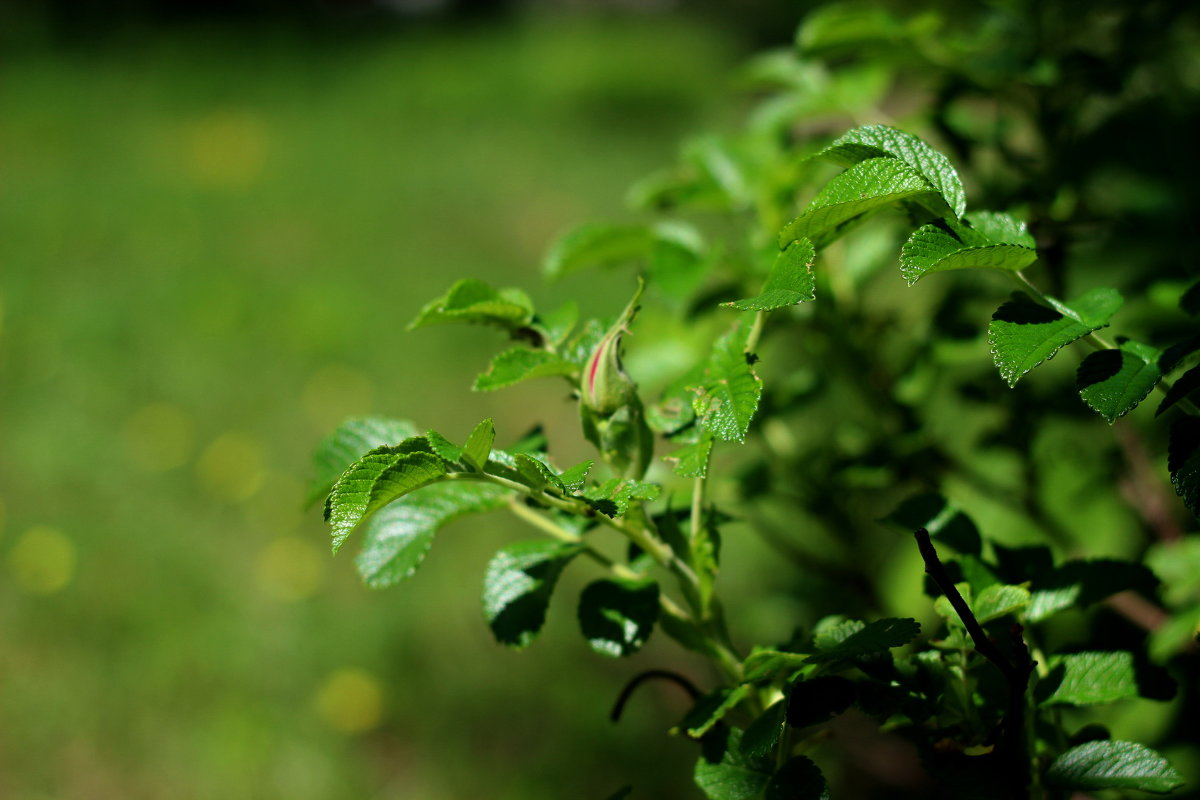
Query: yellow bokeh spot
[232, 467]
[350, 700]
[159, 436]
[290, 568]
[336, 392]
[43, 560]
[227, 149]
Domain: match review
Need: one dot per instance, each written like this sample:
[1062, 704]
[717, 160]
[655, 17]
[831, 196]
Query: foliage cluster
[791, 304]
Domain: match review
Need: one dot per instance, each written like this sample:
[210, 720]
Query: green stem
[756, 331]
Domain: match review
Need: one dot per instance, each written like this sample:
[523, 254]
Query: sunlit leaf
[476, 302]
[1113, 765]
[790, 281]
[521, 364]
[729, 394]
[353, 438]
[1081, 679]
[381, 476]
[1114, 382]
[517, 586]
[617, 616]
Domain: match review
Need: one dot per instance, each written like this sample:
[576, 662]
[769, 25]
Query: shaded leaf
[397, 538]
[790, 281]
[762, 737]
[867, 186]
[711, 709]
[1114, 382]
[347, 443]
[1081, 679]
[673, 250]
[517, 587]
[874, 637]
[943, 520]
[1183, 461]
[1023, 333]
[1081, 583]
[1184, 386]
[476, 302]
[798, 779]
[381, 476]
[817, 700]
[521, 364]
[999, 600]
[762, 665]
[874, 141]
[617, 616]
[1113, 765]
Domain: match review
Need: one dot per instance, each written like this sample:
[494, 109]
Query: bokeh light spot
[350, 700]
[290, 569]
[159, 436]
[227, 149]
[43, 560]
[336, 392]
[232, 467]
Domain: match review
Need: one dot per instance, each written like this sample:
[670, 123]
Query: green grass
[213, 243]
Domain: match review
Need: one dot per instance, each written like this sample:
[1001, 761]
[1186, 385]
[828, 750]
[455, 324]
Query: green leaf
[1184, 385]
[999, 600]
[790, 281]
[521, 364]
[1113, 765]
[517, 587]
[1183, 461]
[711, 709]
[874, 637]
[614, 496]
[1113, 382]
[476, 302]
[478, 447]
[729, 394]
[798, 779]
[874, 141]
[555, 326]
[866, 186]
[1177, 563]
[381, 476]
[573, 478]
[1083, 679]
[398, 537]
[1082, 583]
[672, 250]
[537, 473]
[945, 245]
[1023, 333]
[998, 227]
[725, 773]
[351, 439]
[692, 461]
[617, 616]
[762, 737]
[443, 447]
[762, 665]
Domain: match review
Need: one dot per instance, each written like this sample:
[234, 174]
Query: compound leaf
[517, 586]
[1114, 382]
[866, 186]
[351, 439]
[1113, 765]
[1081, 679]
[521, 364]
[381, 476]
[476, 302]
[398, 537]
[875, 141]
[1023, 333]
[790, 281]
[729, 394]
[617, 616]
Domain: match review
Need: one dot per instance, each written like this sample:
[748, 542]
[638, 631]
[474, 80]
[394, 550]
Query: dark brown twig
[1016, 674]
[650, 674]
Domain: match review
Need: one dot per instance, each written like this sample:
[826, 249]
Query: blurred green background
[215, 230]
